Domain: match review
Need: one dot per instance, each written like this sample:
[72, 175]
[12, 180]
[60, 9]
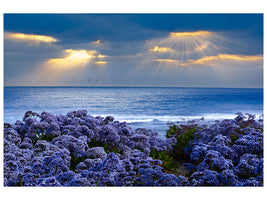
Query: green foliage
[173, 130]
[172, 159]
[168, 162]
[48, 137]
[75, 161]
[182, 143]
[234, 137]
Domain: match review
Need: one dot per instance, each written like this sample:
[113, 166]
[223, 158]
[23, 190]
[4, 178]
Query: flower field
[78, 149]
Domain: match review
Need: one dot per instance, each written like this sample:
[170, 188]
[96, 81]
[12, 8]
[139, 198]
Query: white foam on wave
[169, 118]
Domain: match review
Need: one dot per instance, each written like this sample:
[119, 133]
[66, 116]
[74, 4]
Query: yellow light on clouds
[101, 56]
[161, 49]
[210, 60]
[165, 60]
[196, 33]
[98, 42]
[75, 58]
[101, 62]
[30, 37]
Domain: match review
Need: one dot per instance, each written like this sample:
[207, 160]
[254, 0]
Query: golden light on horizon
[196, 33]
[30, 37]
[160, 49]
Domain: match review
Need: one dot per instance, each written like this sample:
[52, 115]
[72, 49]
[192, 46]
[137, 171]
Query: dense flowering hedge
[78, 149]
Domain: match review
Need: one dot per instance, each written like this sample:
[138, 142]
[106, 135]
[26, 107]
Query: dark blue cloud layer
[75, 28]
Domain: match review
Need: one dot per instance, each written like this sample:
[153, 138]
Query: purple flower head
[96, 152]
[148, 176]
[198, 152]
[92, 162]
[48, 117]
[168, 180]
[26, 144]
[220, 140]
[81, 113]
[112, 163]
[30, 114]
[108, 119]
[12, 136]
[248, 166]
[125, 131]
[205, 178]
[65, 177]
[92, 122]
[29, 179]
[50, 181]
[73, 145]
[211, 155]
[228, 178]
[29, 121]
[127, 164]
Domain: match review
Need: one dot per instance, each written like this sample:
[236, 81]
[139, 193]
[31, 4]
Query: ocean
[140, 107]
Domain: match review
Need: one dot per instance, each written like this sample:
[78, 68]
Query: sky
[154, 50]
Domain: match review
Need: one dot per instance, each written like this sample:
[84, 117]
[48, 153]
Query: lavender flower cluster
[228, 153]
[78, 149]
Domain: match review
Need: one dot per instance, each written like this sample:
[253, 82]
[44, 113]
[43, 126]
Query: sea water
[140, 107]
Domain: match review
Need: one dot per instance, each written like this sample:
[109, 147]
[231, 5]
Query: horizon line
[82, 86]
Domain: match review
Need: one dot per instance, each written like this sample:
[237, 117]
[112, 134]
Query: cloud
[97, 42]
[212, 60]
[31, 38]
[165, 60]
[185, 34]
[161, 49]
[76, 58]
[100, 62]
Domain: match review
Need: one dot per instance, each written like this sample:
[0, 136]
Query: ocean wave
[169, 118]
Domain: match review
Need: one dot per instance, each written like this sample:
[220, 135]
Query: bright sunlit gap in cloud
[68, 67]
[31, 38]
[73, 58]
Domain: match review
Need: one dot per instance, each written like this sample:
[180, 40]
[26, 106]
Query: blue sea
[140, 107]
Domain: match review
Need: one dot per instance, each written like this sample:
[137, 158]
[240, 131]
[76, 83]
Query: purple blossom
[96, 152]
[226, 153]
[228, 178]
[205, 178]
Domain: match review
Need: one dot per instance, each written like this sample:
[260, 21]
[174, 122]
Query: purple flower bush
[78, 149]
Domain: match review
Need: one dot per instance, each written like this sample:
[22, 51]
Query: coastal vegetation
[78, 149]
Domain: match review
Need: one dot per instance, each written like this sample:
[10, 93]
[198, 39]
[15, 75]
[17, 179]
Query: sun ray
[71, 64]
[185, 50]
